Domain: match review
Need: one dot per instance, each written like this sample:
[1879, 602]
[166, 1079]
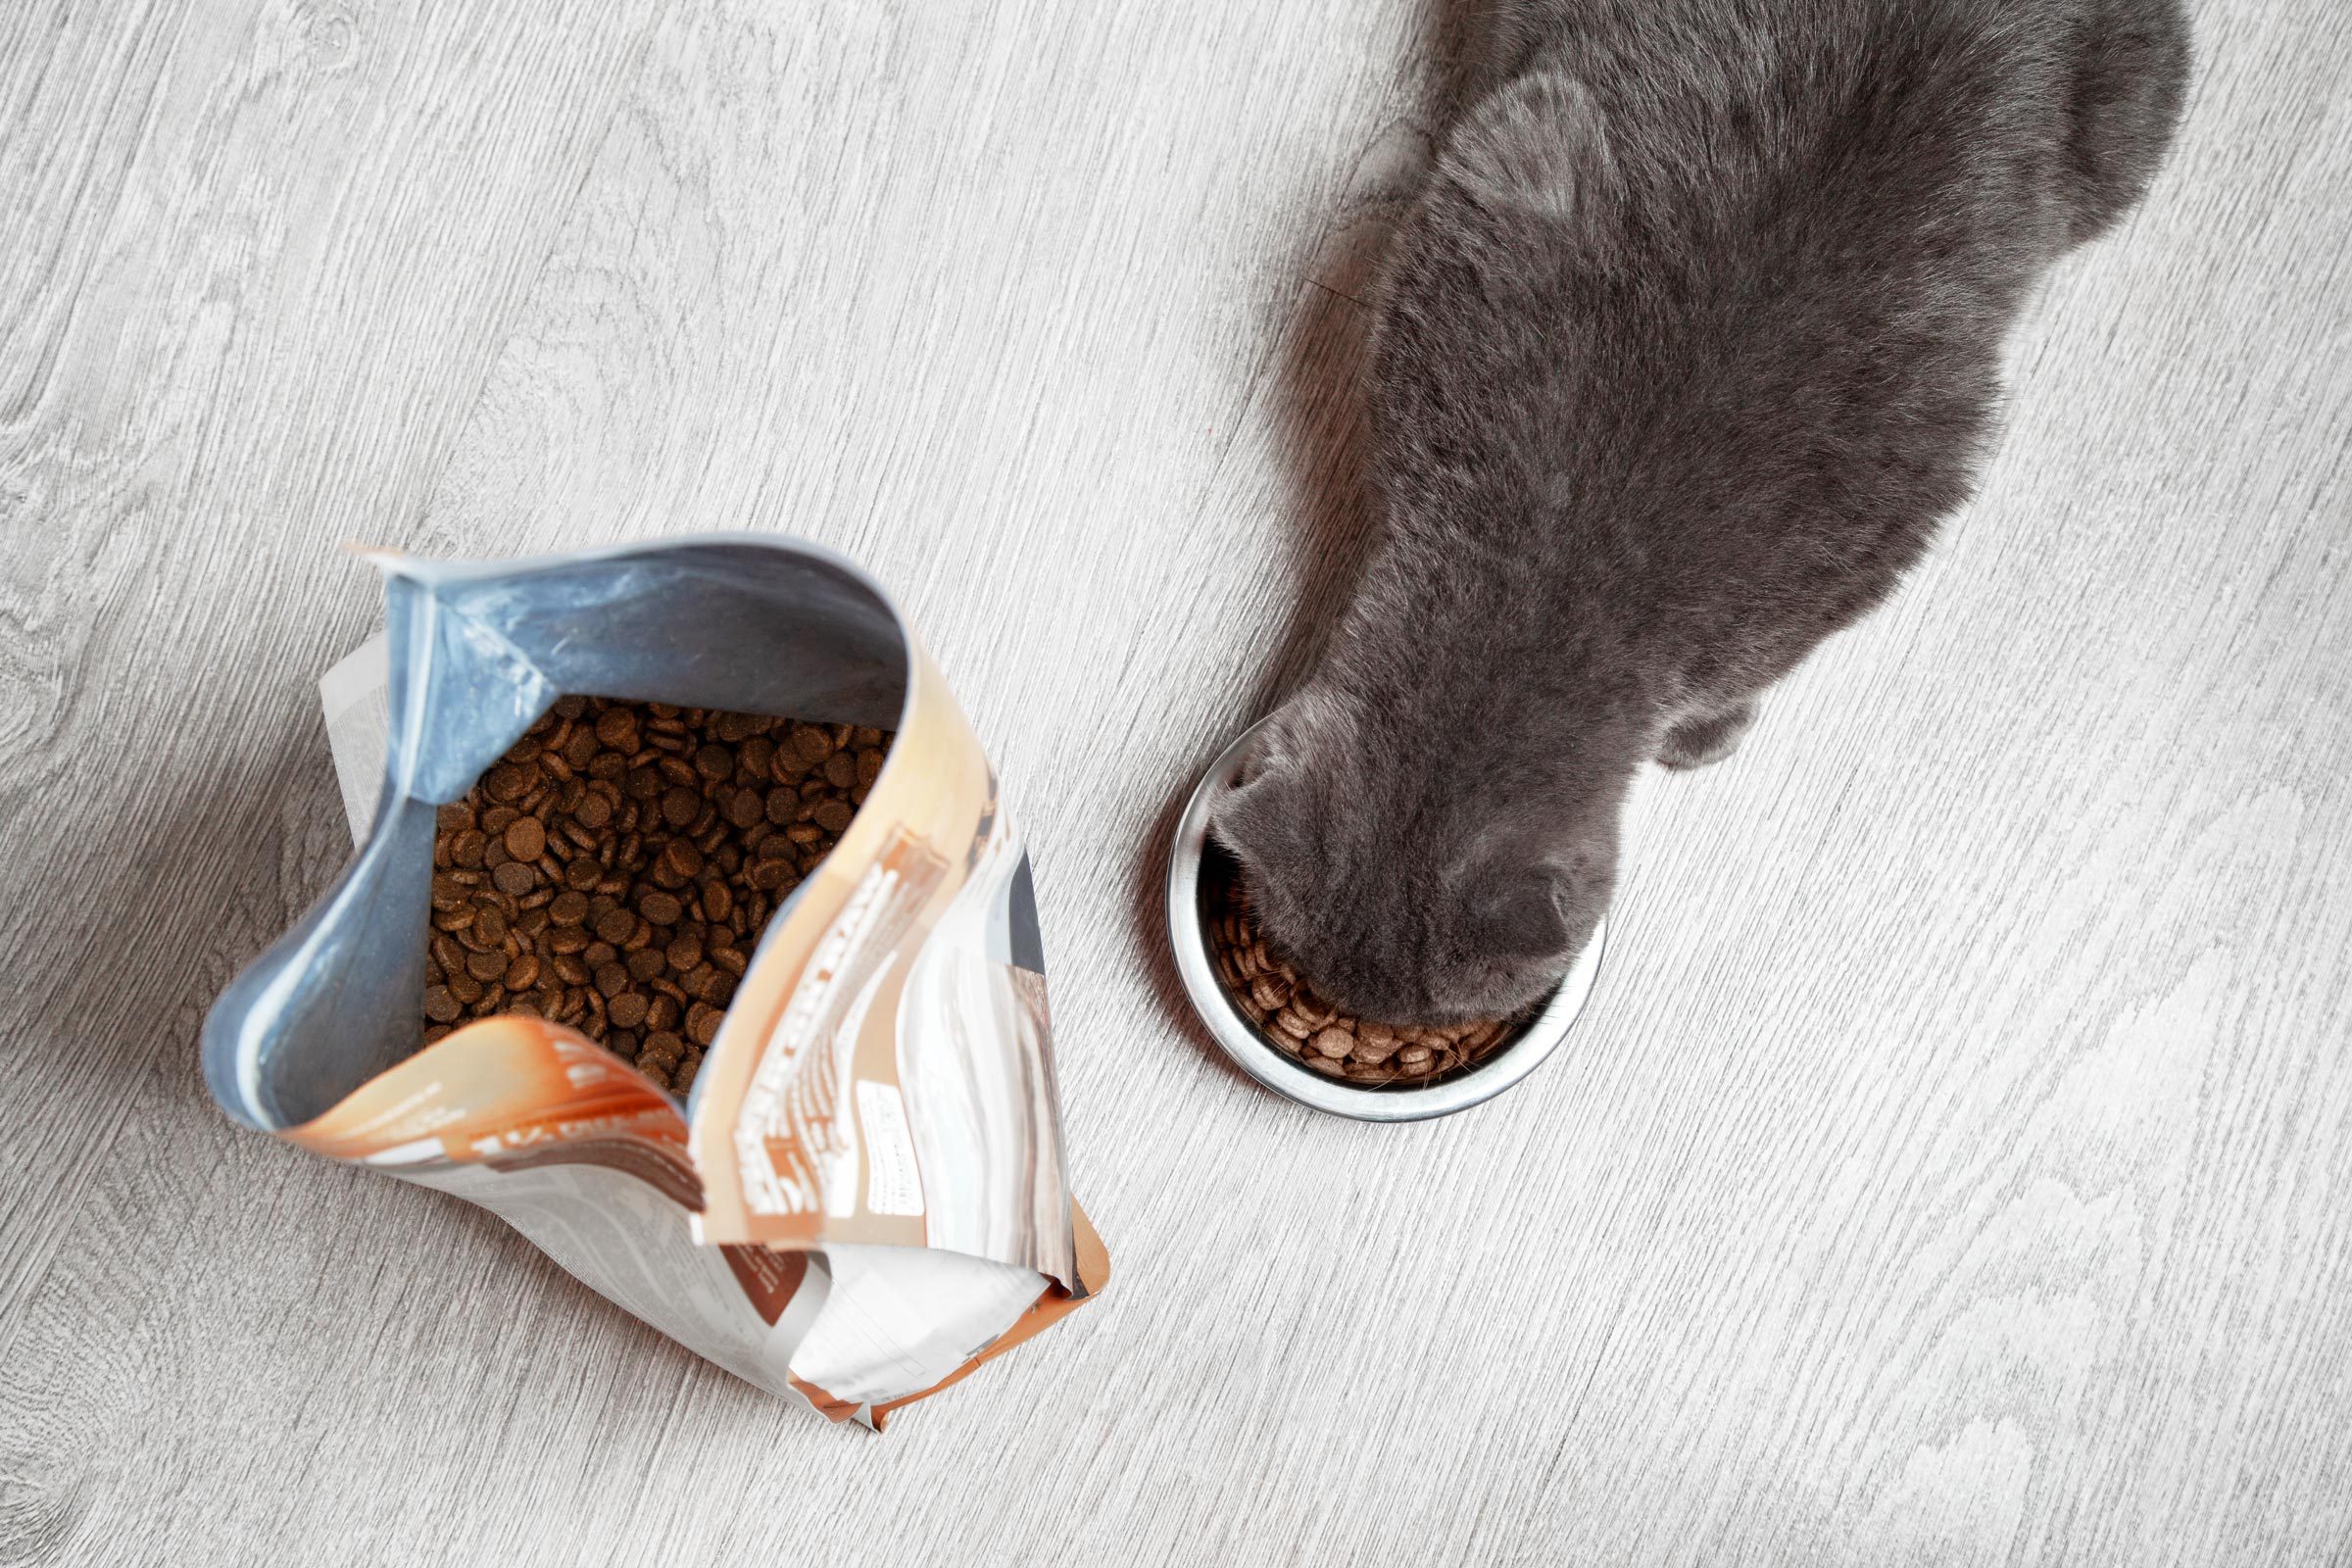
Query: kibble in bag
[700, 816]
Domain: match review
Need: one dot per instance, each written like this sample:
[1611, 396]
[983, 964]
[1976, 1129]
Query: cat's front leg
[1706, 738]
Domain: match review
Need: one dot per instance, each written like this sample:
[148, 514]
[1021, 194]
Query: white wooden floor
[1955, 1165]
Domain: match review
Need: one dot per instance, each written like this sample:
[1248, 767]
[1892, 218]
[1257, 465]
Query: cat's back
[1729, 347]
[1811, 126]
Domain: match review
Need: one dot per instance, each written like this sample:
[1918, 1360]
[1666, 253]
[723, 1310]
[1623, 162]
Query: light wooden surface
[1955, 1165]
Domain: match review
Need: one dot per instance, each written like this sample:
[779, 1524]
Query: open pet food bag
[864, 1195]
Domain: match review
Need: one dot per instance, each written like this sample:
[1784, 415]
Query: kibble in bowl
[1274, 1026]
[1294, 1018]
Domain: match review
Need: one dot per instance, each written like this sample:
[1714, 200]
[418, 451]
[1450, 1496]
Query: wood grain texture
[1954, 1167]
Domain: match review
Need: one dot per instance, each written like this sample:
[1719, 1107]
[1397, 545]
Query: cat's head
[1411, 885]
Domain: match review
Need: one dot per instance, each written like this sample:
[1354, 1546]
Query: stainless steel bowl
[1507, 1063]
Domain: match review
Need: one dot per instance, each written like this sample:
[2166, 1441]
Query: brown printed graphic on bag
[808, 1115]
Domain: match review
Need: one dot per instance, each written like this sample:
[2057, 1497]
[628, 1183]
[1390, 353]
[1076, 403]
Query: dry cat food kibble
[1288, 1011]
[614, 869]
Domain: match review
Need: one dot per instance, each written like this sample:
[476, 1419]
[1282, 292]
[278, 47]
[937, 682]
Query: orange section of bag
[499, 1086]
[911, 846]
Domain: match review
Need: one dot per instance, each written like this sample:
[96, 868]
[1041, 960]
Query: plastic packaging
[865, 1196]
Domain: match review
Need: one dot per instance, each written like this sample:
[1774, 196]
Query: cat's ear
[1251, 816]
[1535, 143]
[1267, 755]
[1311, 725]
[1263, 812]
[1525, 919]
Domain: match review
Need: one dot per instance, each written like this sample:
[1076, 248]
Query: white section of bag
[893, 1185]
[629, 1245]
[978, 1082]
[897, 1319]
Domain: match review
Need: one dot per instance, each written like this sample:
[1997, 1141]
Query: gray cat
[1689, 343]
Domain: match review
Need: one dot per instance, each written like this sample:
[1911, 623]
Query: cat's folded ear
[1535, 144]
[1265, 756]
[1262, 813]
[1525, 920]
[1246, 816]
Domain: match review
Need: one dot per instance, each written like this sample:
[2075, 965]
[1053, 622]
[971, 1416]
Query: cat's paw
[1696, 742]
